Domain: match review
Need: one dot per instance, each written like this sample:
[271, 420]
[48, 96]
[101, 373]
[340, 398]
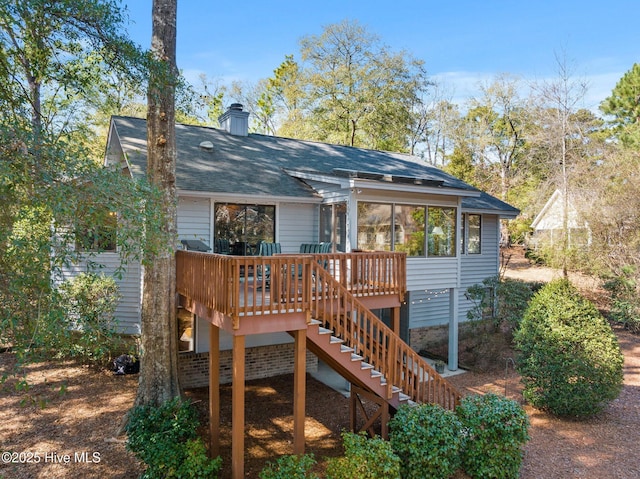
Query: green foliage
[290, 467]
[427, 440]
[89, 301]
[496, 429]
[569, 358]
[623, 106]
[165, 439]
[364, 458]
[504, 300]
[625, 301]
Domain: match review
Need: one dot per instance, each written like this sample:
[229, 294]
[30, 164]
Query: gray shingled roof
[256, 164]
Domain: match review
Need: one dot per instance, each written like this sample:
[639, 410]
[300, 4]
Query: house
[241, 189]
[548, 228]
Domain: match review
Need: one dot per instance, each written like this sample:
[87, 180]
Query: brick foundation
[260, 362]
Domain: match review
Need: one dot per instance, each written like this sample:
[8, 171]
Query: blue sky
[462, 42]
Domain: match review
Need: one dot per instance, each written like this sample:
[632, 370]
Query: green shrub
[364, 458]
[290, 467]
[569, 358]
[89, 302]
[427, 439]
[505, 300]
[496, 429]
[625, 303]
[166, 440]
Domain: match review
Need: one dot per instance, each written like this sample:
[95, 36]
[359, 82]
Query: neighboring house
[548, 227]
[238, 189]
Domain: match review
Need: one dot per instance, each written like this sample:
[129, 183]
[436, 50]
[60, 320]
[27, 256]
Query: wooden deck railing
[238, 286]
[370, 338]
[327, 285]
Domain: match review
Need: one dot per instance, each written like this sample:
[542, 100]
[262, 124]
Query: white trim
[248, 199]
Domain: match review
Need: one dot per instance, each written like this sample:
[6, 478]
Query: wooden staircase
[355, 343]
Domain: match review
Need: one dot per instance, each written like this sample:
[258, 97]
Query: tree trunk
[158, 368]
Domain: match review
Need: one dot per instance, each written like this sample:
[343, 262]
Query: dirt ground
[63, 424]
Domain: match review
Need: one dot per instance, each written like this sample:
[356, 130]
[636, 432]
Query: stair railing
[379, 346]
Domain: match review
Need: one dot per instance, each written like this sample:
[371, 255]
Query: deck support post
[299, 390]
[382, 413]
[214, 391]
[453, 329]
[395, 320]
[237, 408]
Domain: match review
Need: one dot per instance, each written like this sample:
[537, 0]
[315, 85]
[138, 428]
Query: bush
[505, 300]
[625, 304]
[427, 440]
[364, 458]
[89, 302]
[496, 429]
[569, 358]
[290, 467]
[165, 439]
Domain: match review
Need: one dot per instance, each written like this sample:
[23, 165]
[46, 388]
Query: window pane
[442, 231]
[341, 227]
[409, 229]
[474, 234]
[374, 226]
[244, 226]
[326, 223]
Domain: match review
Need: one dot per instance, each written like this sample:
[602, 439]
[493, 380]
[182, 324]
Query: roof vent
[206, 145]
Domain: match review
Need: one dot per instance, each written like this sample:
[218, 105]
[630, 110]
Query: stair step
[345, 349]
[335, 340]
[315, 321]
[322, 330]
[375, 373]
[365, 366]
[403, 397]
[356, 357]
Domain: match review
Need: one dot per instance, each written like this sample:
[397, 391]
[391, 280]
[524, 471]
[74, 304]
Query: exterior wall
[261, 362]
[297, 223]
[194, 219]
[429, 298]
[130, 287]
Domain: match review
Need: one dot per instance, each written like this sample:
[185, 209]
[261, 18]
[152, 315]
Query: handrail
[379, 346]
[252, 285]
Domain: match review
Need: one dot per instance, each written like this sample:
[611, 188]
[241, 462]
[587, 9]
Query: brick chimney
[235, 121]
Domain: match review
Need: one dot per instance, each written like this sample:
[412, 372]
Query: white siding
[194, 219]
[296, 223]
[130, 287]
[478, 267]
[428, 279]
[426, 273]
[428, 308]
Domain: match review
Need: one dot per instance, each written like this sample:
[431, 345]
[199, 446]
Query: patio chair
[266, 249]
[222, 246]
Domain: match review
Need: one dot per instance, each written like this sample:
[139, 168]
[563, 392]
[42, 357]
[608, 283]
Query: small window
[473, 232]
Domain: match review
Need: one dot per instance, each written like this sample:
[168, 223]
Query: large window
[442, 231]
[414, 229]
[244, 226]
[374, 226]
[409, 229]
